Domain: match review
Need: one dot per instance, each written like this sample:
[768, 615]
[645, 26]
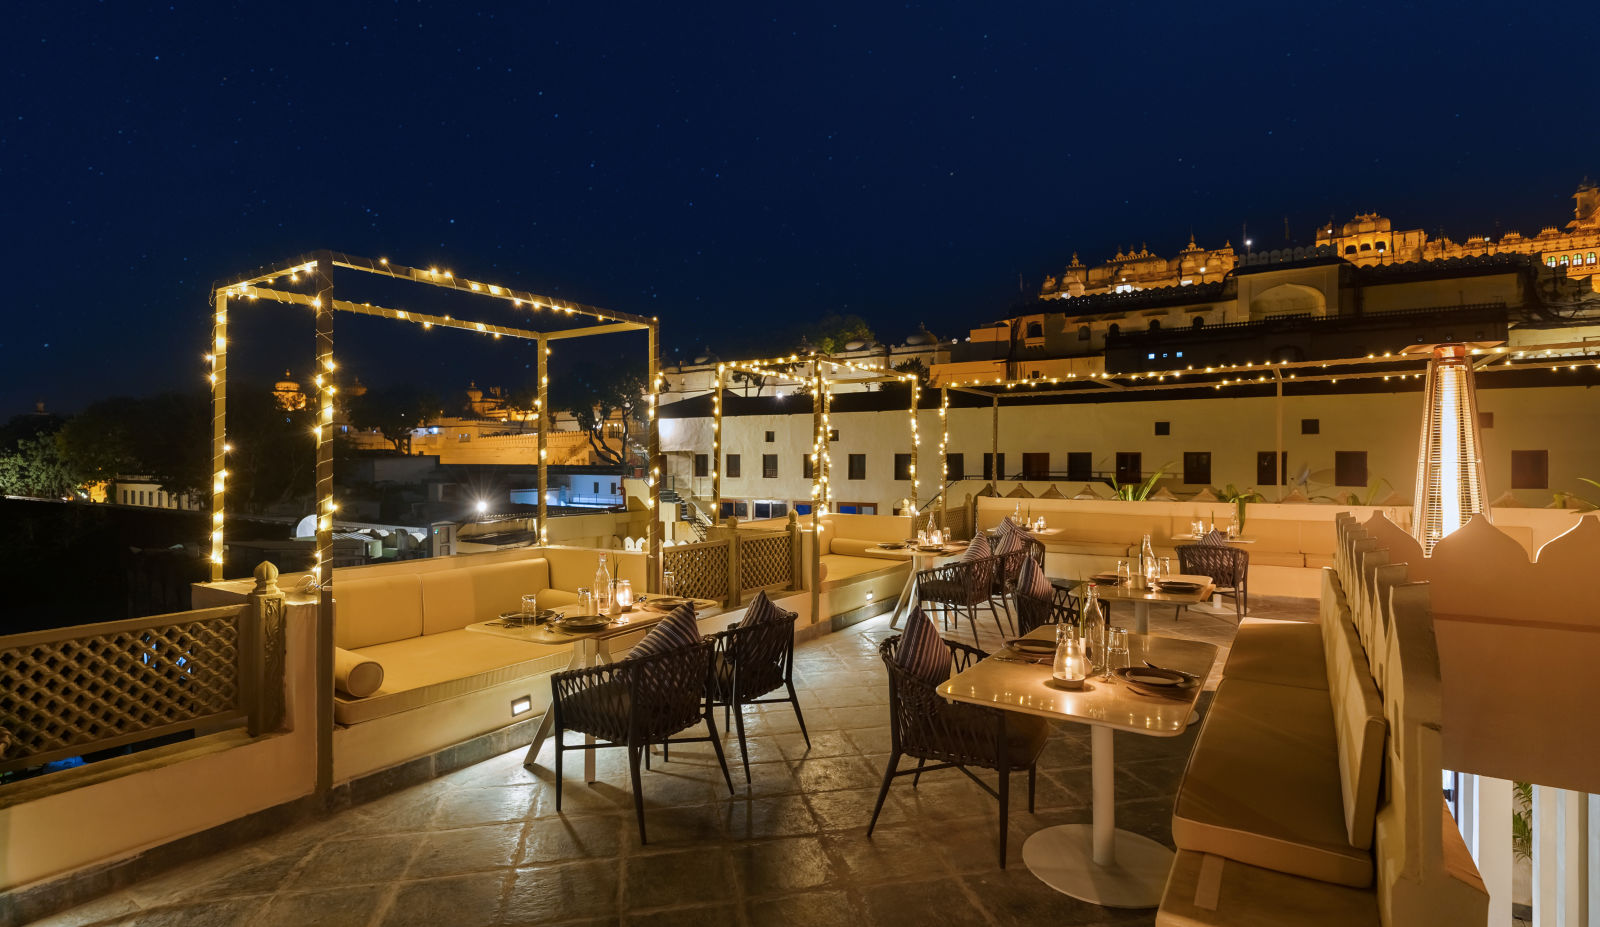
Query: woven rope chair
[961, 587]
[1228, 567]
[924, 725]
[1033, 613]
[636, 703]
[749, 663]
[1011, 568]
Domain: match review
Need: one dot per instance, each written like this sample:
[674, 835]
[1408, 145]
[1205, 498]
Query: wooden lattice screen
[70, 691]
[765, 561]
[699, 570]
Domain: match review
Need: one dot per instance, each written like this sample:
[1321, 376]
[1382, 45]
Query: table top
[1200, 537]
[1028, 688]
[632, 620]
[1131, 594]
[948, 550]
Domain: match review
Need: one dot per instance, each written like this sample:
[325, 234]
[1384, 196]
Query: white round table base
[1063, 858]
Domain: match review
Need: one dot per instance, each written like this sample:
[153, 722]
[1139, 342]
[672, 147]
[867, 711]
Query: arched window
[1349, 249]
[1199, 322]
[1383, 246]
[1035, 329]
[1083, 333]
[1366, 247]
[1114, 330]
[1155, 325]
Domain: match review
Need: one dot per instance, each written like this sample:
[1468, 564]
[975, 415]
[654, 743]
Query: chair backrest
[666, 689]
[925, 725]
[1032, 612]
[1011, 564]
[760, 655]
[1227, 566]
[964, 582]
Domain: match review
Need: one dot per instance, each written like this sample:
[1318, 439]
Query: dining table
[589, 648]
[1197, 538]
[1143, 596]
[1095, 862]
[923, 556]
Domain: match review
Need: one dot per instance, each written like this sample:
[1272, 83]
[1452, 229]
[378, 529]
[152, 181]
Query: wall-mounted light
[521, 705]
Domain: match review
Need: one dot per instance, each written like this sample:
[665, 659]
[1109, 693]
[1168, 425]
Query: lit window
[1150, 356]
[1550, 261]
[1180, 353]
[1591, 258]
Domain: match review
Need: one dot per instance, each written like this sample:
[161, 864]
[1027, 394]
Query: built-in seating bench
[1312, 794]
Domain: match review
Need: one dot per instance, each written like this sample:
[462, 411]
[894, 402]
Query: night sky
[727, 168]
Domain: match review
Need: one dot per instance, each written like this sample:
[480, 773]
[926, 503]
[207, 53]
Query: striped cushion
[1009, 527]
[761, 610]
[1031, 581]
[979, 548]
[676, 630]
[922, 652]
[1010, 543]
[1215, 538]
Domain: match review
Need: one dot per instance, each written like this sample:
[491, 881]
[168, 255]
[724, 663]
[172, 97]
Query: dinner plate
[664, 601]
[1105, 579]
[894, 545]
[930, 548]
[1178, 586]
[1031, 646]
[1154, 681]
[583, 622]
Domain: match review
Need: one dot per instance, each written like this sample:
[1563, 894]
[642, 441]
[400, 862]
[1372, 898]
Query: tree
[165, 437]
[833, 331]
[916, 366]
[35, 468]
[394, 412]
[592, 395]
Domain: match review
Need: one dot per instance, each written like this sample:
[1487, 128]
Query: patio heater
[1450, 486]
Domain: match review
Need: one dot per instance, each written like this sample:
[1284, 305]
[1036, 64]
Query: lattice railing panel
[700, 570]
[63, 695]
[765, 562]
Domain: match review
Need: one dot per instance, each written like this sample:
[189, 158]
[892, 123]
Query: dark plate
[583, 622]
[1175, 586]
[1105, 579]
[1032, 647]
[1152, 681]
[894, 545]
[930, 548]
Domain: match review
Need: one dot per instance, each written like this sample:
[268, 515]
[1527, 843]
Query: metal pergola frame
[319, 268]
[821, 384]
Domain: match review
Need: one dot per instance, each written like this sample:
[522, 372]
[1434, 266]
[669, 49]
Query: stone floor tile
[694, 916]
[357, 861]
[835, 772]
[466, 849]
[347, 906]
[862, 716]
[896, 852]
[469, 807]
[920, 904]
[108, 909]
[228, 913]
[810, 909]
[673, 877]
[823, 744]
[782, 866]
[465, 899]
[1016, 898]
[550, 894]
[578, 836]
[851, 809]
[781, 816]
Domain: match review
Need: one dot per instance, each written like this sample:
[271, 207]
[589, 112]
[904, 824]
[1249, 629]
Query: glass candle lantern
[1072, 665]
[624, 594]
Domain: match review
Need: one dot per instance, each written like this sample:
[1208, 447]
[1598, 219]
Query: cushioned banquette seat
[413, 626]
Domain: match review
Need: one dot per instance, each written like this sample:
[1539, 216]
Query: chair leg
[638, 791]
[559, 739]
[798, 717]
[716, 744]
[888, 777]
[744, 752]
[994, 613]
[972, 619]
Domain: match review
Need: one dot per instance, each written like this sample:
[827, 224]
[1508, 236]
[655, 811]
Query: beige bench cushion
[1285, 653]
[453, 599]
[424, 670]
[376, 610]
[1359, 723]
[1209, 891]
[839, 567]
[855, 547]
[1263, 785]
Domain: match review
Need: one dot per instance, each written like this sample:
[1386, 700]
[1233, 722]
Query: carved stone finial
[266, 579]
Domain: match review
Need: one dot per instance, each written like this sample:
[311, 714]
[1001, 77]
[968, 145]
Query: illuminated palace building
[1134, 340]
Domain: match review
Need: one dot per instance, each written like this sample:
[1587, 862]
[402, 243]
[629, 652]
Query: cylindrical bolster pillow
[355, 675]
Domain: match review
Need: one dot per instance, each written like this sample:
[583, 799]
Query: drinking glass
[669, 583]
[1124, 573]
[530, 608]
[585, 601]
[1116, 650]
[1166, 567]
[922, 536]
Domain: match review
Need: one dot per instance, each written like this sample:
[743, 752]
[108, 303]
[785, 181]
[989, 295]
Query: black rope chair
[635, 703]
[1228, 567]
[1033, 613]
[961, 587]
[749, 663]
[1009, 571]
[924, 725]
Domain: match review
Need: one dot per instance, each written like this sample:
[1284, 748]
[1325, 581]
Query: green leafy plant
[1371, 497]
[1522, 820]
[1240, 498]
[1138, 492]
[1568, 497]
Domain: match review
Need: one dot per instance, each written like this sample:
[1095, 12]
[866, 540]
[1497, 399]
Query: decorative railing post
[796, 551]
[735, 570]
[261, 653]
